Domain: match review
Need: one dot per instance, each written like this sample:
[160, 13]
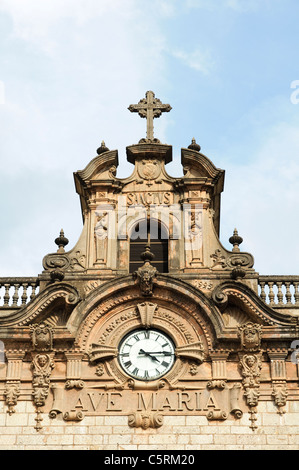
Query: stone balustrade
[279, 291]
[276, 291]
[16, 292]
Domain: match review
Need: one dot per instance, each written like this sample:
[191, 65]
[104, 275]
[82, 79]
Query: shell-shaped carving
[191, 351]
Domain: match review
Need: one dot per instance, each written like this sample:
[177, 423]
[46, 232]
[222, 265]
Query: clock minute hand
[165, 353]
[149, 355]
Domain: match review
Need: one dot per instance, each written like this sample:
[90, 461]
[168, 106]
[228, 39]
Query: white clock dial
[146, 354]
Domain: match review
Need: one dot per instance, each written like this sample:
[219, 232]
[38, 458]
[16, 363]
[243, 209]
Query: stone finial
[236, 240]
[102, 148]
[147, 255]
[61, 242]
[194, 145]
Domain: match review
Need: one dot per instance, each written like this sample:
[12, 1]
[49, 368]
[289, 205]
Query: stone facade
[105, 349]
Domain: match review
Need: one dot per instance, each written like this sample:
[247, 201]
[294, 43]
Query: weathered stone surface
[233, 375]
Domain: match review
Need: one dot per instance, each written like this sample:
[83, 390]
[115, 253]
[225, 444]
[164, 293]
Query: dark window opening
[150, 233]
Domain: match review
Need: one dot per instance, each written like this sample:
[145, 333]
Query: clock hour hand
[149, 355]
[165, 353]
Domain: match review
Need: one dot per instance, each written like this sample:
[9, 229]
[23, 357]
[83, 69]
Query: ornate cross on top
[149, 108]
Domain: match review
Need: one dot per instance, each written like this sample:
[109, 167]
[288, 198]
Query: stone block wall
[274, 432]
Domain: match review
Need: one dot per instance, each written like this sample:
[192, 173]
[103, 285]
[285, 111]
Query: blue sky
[69, 70]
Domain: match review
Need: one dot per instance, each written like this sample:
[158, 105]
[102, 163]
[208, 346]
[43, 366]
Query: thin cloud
[196, 60]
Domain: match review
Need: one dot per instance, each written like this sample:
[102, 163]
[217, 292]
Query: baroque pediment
[171, 324]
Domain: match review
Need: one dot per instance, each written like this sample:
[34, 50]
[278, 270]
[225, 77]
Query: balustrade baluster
[296, 293]
[263, 293]
[15, 296]
[288, 293]
[6, 296]
[279, 293]
[271, 293]
[34, 285]
[24, 295]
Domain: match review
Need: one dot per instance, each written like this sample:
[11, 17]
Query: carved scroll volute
[146, 311]
[219, 373]
[145, 420]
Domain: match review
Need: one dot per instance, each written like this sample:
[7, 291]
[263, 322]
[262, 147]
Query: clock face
[146, 354]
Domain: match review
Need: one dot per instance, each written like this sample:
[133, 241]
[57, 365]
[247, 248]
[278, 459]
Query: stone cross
[149, 108]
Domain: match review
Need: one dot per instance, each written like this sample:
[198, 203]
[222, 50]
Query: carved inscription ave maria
[215, 404]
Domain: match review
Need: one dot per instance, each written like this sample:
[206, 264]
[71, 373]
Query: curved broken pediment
[239, 295]
[56, 294]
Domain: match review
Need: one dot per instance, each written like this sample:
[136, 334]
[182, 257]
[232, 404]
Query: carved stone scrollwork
[220, 297]
[250, 335]
[239, 263]
[217, 415]
[78, 384]
[56, 261]
[42, 366]
[42, 337]
[146, 274]
[220, 384]
[218, 259]
[149, 170]
[280, 395]
[154, 385]
[58, 402]
[11, 393]
[73, 416]
[234, 401]
[145, 420]
[251, 364]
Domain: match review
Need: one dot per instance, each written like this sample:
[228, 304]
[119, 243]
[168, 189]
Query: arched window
[151, 233]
